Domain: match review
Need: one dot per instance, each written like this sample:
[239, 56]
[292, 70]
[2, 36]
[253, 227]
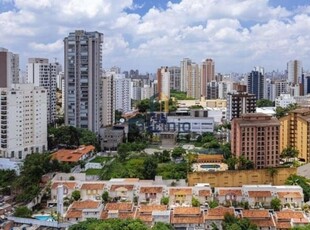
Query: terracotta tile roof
[206, 158]
[300, 220]
[92, 186]
[263, 223]
[289, 194]
[150, 208]
[187, 219]
[186, 211]
[131, 180]
[218, 213]
[104, 215]
[288, 214]
[126, 215]
[144, 217]
[224, 192]
[204, 192]
[128, 187]
[74, 213]
[122, 206]
[180, 191]
[68, 184]
[85, 204]
[255, 213]
[284, 225]
[151, 189]
[72, 155]
[259, 193]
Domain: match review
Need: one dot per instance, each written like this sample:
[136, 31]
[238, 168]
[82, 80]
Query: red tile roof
[151, 189]
[180, 191]
[72, 155]
[128, 187]
[259, 194]
[68, 184]
[224, 192]
[218, 213]
[85, 204]
[92, 186]
[255, 213]
[289, 194]
[122, 206]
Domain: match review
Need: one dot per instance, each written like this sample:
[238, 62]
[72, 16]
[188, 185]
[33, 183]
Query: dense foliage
[71, 137]
[302, 182]
[281, 112]
[23, 212]
[117, 224]
[6, 178]
[264, 103]
[26, 186]
[233, 223]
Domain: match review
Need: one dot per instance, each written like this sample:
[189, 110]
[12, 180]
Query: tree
[272, 172]
[213, 203]
[289, 152]
[305, 227]
[164, 200]
[118, 115]
[76, 195]
[143, 105]
[23, 212]
[177, 152]
[264, 103]
[162, 226]
[232, 162]
[195, 202]
[149, 168]
[105, 196]
[281, 112]
[302, 182]
[233, 223]
[123, 151]
[275, 204]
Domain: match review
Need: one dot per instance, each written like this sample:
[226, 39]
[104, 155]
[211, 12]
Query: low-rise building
[74, 155]
[187, 218]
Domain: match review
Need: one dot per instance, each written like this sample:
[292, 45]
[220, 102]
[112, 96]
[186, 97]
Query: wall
[236, 178]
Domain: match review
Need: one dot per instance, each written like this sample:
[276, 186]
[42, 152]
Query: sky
[148, 34]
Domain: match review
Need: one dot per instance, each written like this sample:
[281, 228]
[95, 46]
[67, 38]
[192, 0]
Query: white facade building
[122, 93]
[42, 73]
[197, 125]
[284, 100]
[23, 120]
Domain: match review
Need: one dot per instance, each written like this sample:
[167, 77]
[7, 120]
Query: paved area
[304, 170]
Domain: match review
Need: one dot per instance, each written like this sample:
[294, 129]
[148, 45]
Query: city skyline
[144, 35]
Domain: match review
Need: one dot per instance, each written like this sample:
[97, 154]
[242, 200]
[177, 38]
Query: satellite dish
[122, 120]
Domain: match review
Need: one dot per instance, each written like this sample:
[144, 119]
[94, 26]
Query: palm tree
[272, 172]
[289, 152]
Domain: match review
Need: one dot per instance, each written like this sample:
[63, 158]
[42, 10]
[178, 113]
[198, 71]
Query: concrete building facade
[83, 70]
[256, 137]
[42, 73]
[122, 93]
[108, 100]
[207, 75]
[23, 120]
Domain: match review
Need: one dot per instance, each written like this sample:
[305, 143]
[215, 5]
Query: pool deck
[196, 167]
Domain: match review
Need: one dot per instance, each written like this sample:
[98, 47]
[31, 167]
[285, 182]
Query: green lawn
[100, 159]
[91, 172]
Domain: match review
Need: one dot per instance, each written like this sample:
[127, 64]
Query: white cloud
[230, 31]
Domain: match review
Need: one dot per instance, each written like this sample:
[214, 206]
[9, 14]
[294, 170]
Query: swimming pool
[210, 166]
[44, 217]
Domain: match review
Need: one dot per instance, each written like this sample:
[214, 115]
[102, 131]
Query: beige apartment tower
[207, 75]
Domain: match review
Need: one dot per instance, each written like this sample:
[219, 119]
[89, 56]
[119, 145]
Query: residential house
[121, 210]
[290, 196]
[215, 216]
[263, 219]
[82, 210]
[203, 194]
[150, 194]
[74, 155]
[123, 192]
[68, 188]
[145, 212]
[228, 195]
[180, 196]
[92, 190]
[287, 219]
[187, 218]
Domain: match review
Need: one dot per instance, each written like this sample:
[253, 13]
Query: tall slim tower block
[256, 83]
[9, 68]
[294, 72]
[207, 75]
[42, 73]
[108, 99]
[83, 70]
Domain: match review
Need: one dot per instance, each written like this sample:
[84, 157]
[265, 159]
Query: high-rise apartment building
[239, 103]
[42, 73]
[108, 99]
[256, 83]
[23, 120]
[122, 93]
[294, 72]
[212, 90]
[83, 70]
[256, 137]
[185, 72]
[175, 77]
[163, 81]
[194, 85]
[207, 75]
[9, 68]
[295, 132]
